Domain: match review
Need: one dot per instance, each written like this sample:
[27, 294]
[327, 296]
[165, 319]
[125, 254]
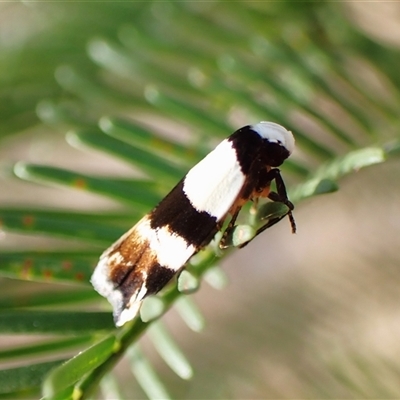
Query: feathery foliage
[125, 75]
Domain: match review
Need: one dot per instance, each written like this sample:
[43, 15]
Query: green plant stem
[131, 333]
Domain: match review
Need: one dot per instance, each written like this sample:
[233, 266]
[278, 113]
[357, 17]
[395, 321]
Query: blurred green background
[103, 106]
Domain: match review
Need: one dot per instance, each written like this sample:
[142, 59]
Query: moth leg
[276, 197]
[229, 229]
[270, 223]
[279, 196]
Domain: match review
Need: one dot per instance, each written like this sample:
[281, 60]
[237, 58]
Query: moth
[240, 169]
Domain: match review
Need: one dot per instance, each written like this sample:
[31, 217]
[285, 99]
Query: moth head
[275, 133]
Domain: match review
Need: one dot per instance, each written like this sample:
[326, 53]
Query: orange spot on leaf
[28, 220]
[66, 265]
[79, 276]
[80, 183]
[47, 274]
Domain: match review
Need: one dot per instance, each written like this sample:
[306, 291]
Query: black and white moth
[241, 168]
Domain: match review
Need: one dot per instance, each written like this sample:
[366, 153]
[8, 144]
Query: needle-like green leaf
[20, 379]
[21, 321]
[72, 370]
[137, 193]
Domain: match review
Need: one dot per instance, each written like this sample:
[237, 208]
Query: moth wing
[120, 274]
[145, 258]
[138, 264]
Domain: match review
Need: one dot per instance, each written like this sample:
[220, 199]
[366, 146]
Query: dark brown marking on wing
[158, 276]
[176, 212]
[246, 143]
[130, 256]
[132, 264]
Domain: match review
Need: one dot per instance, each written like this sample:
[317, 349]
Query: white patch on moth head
[172, 251]
[275, 133]
[214, 183]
